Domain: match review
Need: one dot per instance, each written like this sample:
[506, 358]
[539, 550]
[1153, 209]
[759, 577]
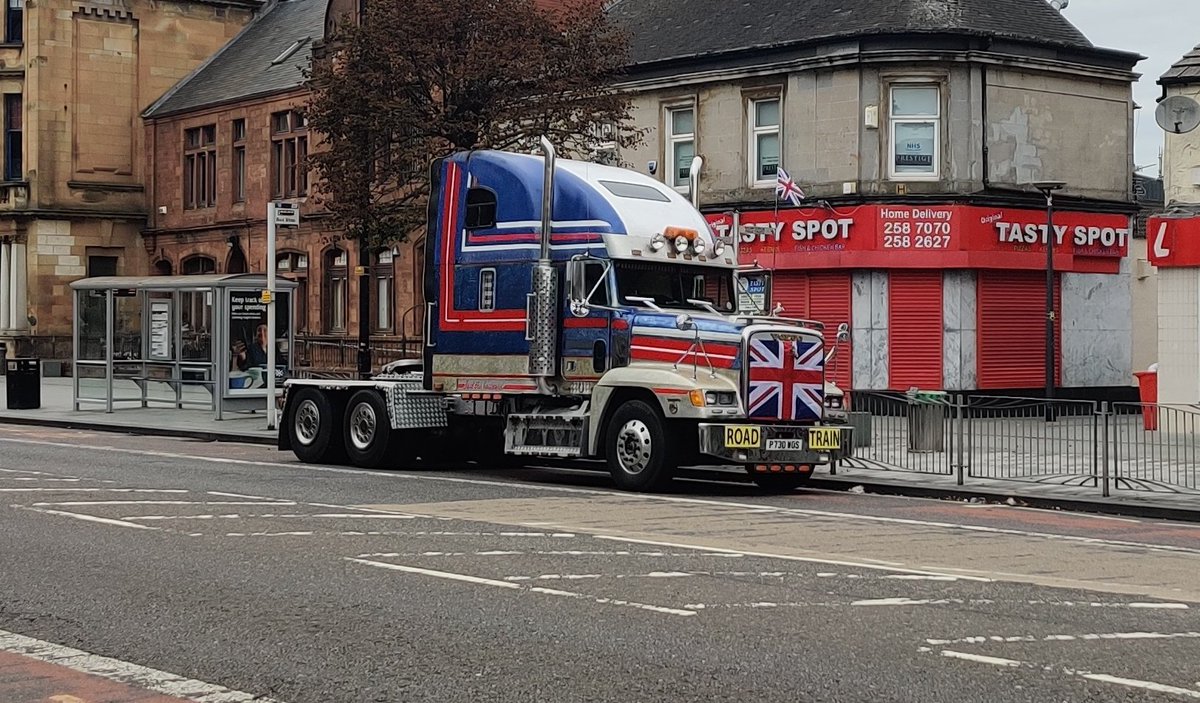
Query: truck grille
[785, 377]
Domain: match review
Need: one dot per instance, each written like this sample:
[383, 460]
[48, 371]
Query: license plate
[823, 438]
[785, 445]
[742, 437]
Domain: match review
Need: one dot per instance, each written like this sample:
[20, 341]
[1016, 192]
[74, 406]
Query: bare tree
[417, 79]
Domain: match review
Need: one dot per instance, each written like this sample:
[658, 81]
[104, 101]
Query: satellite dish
[1178, 114]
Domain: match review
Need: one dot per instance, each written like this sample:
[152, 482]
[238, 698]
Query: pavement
[221, 571]
[927, 480]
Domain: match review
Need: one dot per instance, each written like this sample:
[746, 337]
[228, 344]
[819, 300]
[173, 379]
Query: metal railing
[328, 354]
[1109, 446]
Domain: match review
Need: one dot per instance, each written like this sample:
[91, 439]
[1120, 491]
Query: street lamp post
[1047, 189]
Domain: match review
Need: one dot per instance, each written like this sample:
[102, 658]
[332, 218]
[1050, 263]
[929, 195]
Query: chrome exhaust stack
[541, 325]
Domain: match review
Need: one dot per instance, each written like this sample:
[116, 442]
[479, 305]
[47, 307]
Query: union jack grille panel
[786, 379]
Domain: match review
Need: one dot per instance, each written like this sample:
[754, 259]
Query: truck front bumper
[751, 443]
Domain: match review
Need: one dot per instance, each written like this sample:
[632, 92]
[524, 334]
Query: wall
[869, 308]
[1143, 284]
[1035, 132]
[1097, 329]
[960, 322]
[1178, 335]
[1181, 157]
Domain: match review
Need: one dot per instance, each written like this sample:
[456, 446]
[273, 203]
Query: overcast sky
[1162, 30]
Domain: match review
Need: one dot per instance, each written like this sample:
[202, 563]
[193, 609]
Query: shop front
[950, 296]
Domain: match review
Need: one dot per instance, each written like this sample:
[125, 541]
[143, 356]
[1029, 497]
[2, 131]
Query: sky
[1161, 30]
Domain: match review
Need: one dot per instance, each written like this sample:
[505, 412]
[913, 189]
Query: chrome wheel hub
[307, 422]
[633, 447]
[362, 426]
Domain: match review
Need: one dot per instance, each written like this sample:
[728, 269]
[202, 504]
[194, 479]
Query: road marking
[260, 516]
[124, 672]
[981, 658]
[268, 534]
[40, 480]
[520, 587]
[92, 490]
[1103, 678]
[900, 601]
[979, 639]
[620, 494]
[89, 518]
[791, 557]
[77, 503]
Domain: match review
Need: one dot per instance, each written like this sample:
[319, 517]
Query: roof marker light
[657, 242]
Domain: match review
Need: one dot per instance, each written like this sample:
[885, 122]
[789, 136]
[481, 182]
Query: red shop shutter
[915, 330]
[790, 289]
[829, 302]
[1012, 329]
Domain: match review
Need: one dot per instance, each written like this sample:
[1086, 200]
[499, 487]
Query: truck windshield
[671, 285]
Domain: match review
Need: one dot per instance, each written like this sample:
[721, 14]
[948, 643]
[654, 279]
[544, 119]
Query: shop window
[239, 161]
[200, 167]
[681, 146]
[335, 293]
[383, 276]
[915, 132]
[764, 141]
[289, 154]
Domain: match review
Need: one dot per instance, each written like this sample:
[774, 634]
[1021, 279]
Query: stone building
[916, 129]
[229, 139]
[74, 76]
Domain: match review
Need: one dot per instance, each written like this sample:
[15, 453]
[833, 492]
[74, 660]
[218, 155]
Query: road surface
[218, 572]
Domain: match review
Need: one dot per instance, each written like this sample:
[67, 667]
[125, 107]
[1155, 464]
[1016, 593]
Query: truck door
[587, 341]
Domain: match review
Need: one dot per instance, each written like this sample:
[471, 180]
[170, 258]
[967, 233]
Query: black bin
[23, 383]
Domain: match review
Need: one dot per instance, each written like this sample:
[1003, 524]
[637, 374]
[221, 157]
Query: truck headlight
[699, 246]
[681, 244]
[833, 401]
[718, 247]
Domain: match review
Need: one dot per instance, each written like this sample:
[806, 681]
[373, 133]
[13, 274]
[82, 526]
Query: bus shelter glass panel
[196, 325]
[92, 321]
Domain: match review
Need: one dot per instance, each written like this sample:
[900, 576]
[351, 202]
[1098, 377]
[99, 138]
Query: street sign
[287, 215]
[265, 298]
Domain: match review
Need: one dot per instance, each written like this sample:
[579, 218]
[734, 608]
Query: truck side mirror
[577, 287]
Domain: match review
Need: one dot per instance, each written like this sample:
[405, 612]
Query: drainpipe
[541, 325]
[983, 81]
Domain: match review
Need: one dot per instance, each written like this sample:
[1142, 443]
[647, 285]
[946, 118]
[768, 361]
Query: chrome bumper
[713, 442]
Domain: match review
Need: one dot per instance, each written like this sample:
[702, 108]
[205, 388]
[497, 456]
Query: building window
[200, 167]
[383, 276]
[289, 154]
[336, 280]
[198, 265]
[239, 161]
[487, 290]
[915, 131]
[101, 266]
[14, 21]
[764, 141]
[14, 169]
[681, 147]
[418, 256]
[295, 266]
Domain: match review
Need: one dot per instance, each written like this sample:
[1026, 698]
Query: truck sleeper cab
[640, 357]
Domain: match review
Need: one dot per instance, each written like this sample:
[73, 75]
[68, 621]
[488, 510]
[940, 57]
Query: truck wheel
[636, 446]
[313, 428]
[367, 429]
[780, 483]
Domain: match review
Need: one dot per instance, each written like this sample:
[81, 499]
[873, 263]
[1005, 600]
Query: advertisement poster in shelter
[248, 342]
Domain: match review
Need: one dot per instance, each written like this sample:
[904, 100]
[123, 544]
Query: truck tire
[312, 426]
[367, 430]
[637, 448]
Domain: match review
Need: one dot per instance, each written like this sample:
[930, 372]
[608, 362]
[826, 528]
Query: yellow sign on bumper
[824, 438]
[743, 437]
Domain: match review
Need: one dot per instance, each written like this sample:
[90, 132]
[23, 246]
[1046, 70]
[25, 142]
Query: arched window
[383, 275]
[198, 265]
[335, 293]
[294, 265]
[162, 267]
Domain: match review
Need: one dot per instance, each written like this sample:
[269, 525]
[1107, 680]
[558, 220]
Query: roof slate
[243, 67]
[1185, 70]
[674, 29]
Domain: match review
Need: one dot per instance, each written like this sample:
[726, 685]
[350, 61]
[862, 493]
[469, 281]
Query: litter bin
[1148, 392]
[926, 421]
[23, 384]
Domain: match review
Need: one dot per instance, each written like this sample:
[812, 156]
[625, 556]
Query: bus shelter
[181, 341]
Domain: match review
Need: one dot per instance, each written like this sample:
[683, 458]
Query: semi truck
[580, 311]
